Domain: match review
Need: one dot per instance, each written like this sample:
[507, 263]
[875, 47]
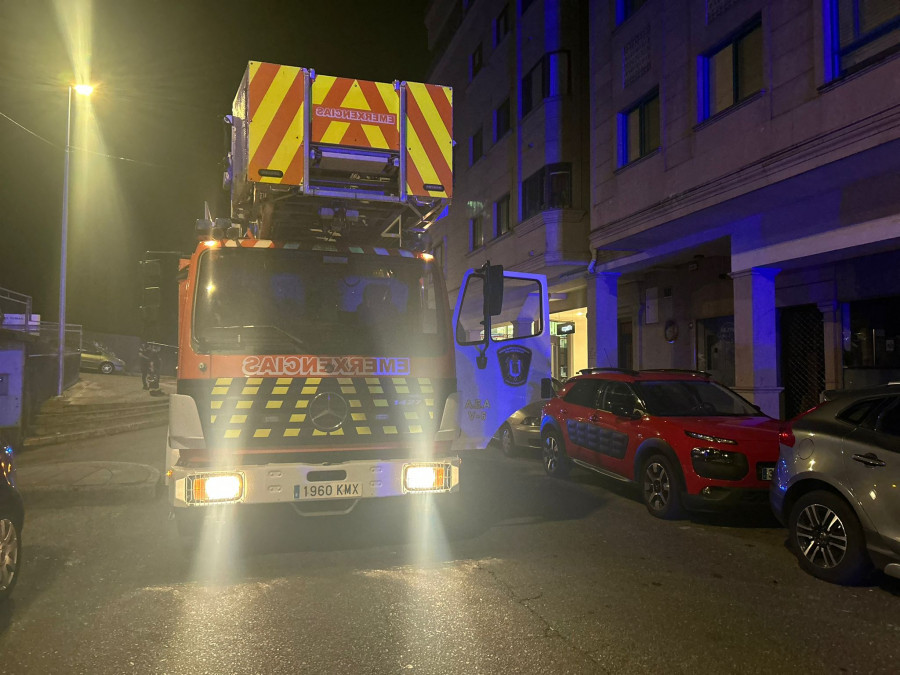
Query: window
[501, 120]
[639, 130]
[618, 399]
[625, 8]
[873, 338]
[547, 188]
[477, 226]
[585, 393]
[863, 31]
[501, 215]
[476, 61]
[858, 412]
[476, 147]
[889, 419]
[501, 25]
[733, 72]
[549, 77]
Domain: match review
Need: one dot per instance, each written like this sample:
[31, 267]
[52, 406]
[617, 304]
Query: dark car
[687, 441]
[835, 485]
[12, 518]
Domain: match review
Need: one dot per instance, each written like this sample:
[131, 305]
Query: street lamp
[82, 90]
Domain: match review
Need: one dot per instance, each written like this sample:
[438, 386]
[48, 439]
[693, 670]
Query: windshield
[691, 398]
[278, 301]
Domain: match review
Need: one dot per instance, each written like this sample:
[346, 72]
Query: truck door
[499, 372]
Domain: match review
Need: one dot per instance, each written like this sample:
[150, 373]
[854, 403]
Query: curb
[95, 483]
[55, 439]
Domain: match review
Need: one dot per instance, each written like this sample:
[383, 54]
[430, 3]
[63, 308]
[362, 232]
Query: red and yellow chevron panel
[356, 113]
[275, 121]
[429, 140]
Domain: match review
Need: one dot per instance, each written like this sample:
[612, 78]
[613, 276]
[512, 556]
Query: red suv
[686, 440]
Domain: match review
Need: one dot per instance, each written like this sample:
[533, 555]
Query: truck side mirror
[493, 289]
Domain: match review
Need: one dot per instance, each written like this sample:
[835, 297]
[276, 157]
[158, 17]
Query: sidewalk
[79, 463]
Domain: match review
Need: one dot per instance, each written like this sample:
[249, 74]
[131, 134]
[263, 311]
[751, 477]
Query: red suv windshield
[691, 398]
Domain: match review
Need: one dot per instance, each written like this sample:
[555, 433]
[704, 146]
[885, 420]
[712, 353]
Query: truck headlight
[215, 488]
[426, 477]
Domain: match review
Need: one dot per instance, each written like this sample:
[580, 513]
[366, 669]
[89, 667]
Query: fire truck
[319, 363]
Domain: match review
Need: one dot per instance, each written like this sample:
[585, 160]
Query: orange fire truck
[318, 362]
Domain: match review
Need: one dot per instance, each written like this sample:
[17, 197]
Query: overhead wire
[75, 147]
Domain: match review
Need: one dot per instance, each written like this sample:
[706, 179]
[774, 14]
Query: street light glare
[84, 89]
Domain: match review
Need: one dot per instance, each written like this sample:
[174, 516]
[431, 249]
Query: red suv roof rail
[683, 371]
[590, 371]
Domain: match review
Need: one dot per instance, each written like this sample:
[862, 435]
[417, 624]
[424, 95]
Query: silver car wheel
[657, 488]
[9, 553]
[821, 536]
[507, 445]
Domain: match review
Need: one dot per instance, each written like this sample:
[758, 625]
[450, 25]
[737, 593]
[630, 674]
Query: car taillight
[786, 437]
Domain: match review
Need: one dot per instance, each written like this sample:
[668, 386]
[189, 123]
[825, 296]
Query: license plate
[766, 472]
[328, 491]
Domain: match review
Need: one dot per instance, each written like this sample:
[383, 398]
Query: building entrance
[568, 332]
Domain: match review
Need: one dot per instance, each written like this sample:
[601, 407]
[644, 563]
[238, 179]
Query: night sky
[166, 73]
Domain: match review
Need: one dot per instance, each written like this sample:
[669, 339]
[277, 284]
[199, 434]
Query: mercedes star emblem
[327, 411]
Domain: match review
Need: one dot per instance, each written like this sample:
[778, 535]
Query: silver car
[522, 429]
[836, 485]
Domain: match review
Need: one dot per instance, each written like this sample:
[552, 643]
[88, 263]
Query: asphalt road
[533, 575]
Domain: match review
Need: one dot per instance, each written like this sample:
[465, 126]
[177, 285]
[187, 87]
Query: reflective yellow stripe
[219, 390]
[232, 433]
[280, 390]
[238, 419]
[243, 405]
[291, 432]
[274, 404]
[262, 433]
[223, 380]
[248, 391]
[254, 380]
[215, 405]
[363, 431]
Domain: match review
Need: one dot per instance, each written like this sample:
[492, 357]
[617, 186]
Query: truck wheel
[553, 454]
[661, 488]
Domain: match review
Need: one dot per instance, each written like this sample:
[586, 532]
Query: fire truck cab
[319, 363]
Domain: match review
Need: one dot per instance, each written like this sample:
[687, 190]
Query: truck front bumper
[283, 483]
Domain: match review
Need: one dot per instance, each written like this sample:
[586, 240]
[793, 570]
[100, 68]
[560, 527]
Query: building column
[833, 336]
[755, 342]
[603, 320]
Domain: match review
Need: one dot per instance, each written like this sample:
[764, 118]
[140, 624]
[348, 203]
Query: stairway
[61, 421]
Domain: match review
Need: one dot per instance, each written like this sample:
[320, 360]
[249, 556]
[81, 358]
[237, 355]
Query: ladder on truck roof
[338, 159]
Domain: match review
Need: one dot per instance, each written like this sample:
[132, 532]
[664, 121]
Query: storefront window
[873, 339]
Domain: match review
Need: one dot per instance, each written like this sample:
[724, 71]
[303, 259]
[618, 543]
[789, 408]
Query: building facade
[712, 184]
[745, 190]
[518, 69]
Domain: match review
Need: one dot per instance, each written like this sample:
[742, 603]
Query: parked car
[687, 441]
[836, 481]
[12, 519]
[94, 358]
[522, 429]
